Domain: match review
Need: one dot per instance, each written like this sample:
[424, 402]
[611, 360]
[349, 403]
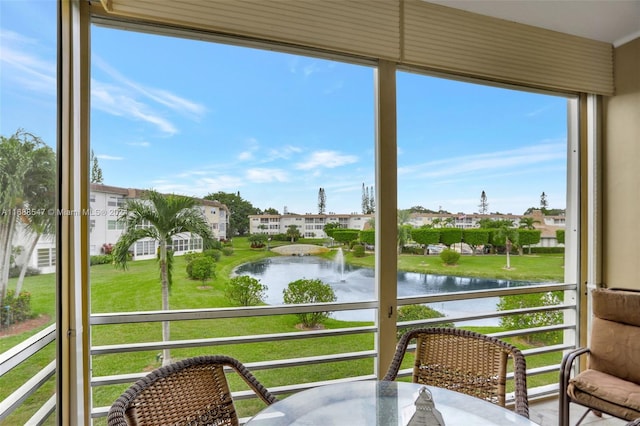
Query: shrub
[15, 309]
[189, 258]
[214, 254]
[215, 244]
[538, 319]
[358, 250]
[100, 259]
[547, 250]
[309, 291]
[227, 250]
[450, 257]
[14, 271]
[345, 236]
[258, 240]
[412, 250]
[202, 268]
[418, 312]
[246, 291]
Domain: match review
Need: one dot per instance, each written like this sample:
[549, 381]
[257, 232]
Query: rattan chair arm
[250, 379]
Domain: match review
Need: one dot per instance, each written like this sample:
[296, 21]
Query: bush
[202, 268]
[547, 250]
[14, 271]
[538, 319]
[412, 250]
[189, 258]
[100, 259]
[450, 257]
[227, 250]
[246, 291]
[258, 240]
[214, 254]
[215, 244]
[358, 250]
[309, 291]
[15, 309]
[418, 312]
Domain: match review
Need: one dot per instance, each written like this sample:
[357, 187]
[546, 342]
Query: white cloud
[201, 186]
[283, 153]
[267, 175]
[252, 146]
[245, 155]
[143, 144]
[161, 96]
[115, 101]
[127, 98]
[538, 111]
[500, 161]
[307, 70]
[327, 159]
[22, 67]
[109, 157]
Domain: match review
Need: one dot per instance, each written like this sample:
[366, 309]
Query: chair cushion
[617, 305]
[607, 393]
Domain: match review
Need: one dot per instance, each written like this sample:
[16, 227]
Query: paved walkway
[300, 250]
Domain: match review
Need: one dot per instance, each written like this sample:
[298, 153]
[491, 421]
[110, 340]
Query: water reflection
[355, 284]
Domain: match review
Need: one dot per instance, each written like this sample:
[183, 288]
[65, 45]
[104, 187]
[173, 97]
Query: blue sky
[195, 118]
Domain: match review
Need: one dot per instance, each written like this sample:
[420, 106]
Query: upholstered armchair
[611, 382]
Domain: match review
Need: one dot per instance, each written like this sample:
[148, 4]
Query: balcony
[353, 358]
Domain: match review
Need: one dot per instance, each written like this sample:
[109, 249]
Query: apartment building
[312, 225]
[105, 229]
[309, 225]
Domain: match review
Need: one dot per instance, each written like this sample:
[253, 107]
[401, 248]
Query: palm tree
[528, 222]
[160, 217]
[27, 179]
[510, 236]
[293, 233]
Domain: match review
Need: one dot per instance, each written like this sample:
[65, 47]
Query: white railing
[17, 356]
[308, 360]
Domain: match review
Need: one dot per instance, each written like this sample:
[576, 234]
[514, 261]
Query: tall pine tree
[322, 201]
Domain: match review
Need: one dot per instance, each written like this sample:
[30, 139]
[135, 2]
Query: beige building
[312, 225]
[105, 229]
[309, 225]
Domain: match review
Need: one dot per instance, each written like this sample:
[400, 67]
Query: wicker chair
[466, 362]
[192, 391]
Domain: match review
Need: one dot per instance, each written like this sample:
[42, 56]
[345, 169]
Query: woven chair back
[193, 391]
[461, 363]
[466, 362]
[197, 395]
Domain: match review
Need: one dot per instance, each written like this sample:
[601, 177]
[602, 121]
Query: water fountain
[340, 264]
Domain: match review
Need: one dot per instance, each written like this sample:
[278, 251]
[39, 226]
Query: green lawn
[138, 289]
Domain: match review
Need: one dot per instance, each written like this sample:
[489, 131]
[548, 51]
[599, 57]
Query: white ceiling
[611, 21]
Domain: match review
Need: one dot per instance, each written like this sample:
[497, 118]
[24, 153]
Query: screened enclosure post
[386, 213]
[73, 401]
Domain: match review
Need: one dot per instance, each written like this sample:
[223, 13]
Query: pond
[355, 284]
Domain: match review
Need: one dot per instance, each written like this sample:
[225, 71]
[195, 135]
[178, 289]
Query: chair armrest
[567, 366]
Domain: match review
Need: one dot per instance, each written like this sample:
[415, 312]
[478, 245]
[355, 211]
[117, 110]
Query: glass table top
[380, 403]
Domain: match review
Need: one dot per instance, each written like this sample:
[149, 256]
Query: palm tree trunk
[7, 226]
[25, 265]
[164, 279]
